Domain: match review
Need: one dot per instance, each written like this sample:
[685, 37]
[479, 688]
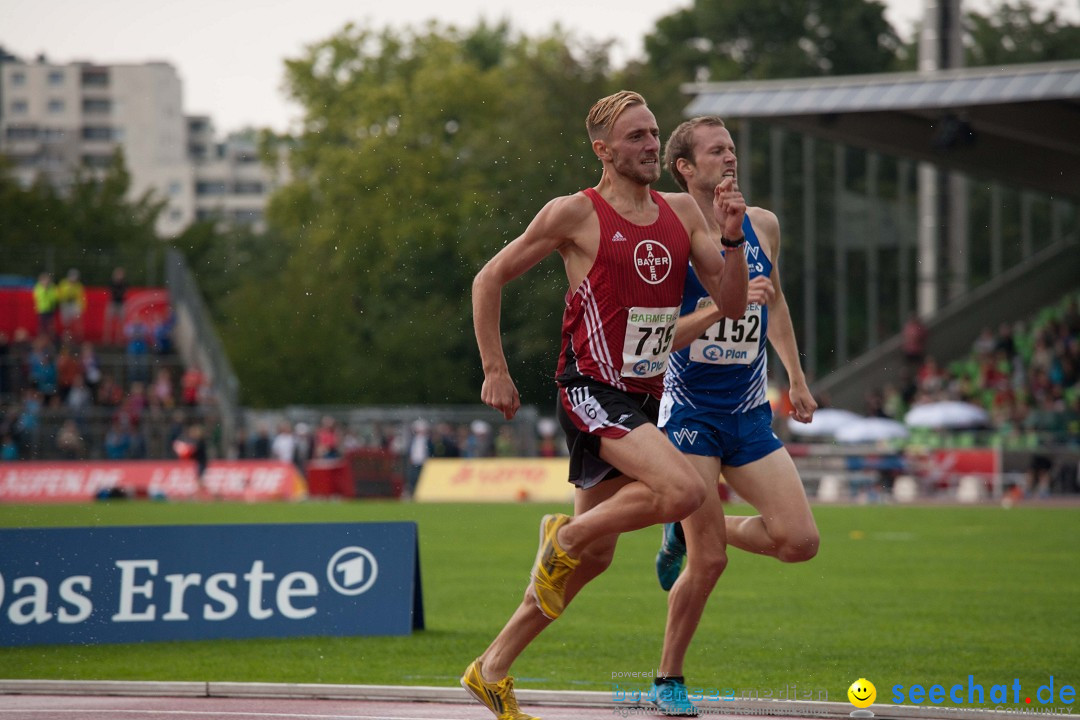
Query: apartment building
[60, 119]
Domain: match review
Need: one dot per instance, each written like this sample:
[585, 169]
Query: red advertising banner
[149, 306]
[943, 468]
[250, 480]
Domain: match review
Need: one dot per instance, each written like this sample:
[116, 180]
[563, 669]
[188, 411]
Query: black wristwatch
[732, 243]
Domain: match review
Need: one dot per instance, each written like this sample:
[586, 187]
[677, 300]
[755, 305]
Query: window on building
[97, 161]
[19, 107]
[95, 77]
[197, 151]
[204, 187]
[56, 105]
[97, 132]
[247, 217]
[248, 188]
[22, 132]
[52, 134]
[96, 106]
[203, 214]
[175, 187]
[56, 77]
[18, 79]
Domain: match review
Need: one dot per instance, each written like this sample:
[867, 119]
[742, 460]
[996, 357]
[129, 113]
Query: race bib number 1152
[729, 342]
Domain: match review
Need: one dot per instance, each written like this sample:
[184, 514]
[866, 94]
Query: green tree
[93, 224]
[758, 39]
[423, 152]
[1017, 32]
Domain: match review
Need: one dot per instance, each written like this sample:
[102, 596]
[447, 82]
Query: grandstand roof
[1018, 123]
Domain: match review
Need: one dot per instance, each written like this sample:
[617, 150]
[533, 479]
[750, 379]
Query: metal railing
[197, 342]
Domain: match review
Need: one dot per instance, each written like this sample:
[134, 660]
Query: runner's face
[634, 144]
[714, 156]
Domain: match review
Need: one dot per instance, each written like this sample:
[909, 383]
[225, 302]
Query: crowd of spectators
[62, 396]
[1025, 375]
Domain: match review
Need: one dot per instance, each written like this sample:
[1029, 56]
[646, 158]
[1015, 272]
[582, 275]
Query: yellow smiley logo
[862, 693]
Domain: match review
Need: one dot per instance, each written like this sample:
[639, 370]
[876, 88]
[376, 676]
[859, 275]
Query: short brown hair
[607, 110]
[681, 144]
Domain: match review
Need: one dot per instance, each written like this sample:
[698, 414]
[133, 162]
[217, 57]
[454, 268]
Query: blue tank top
[723, 370]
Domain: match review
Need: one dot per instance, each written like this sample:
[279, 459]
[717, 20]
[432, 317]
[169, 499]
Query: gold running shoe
[552, 568]
[498, 697]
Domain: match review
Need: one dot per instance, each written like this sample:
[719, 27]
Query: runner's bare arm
[726, 282]
[691, 326]
[549, 231]
[781, 330]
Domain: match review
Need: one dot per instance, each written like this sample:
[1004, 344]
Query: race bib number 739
[649, 334]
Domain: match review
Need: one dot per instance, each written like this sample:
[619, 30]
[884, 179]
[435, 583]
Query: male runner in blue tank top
[715, 410]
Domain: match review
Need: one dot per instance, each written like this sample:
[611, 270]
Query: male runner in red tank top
[625, 249]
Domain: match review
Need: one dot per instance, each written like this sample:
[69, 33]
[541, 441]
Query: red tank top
[619, 324]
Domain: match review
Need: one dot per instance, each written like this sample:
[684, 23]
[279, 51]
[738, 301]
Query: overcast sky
[230, 53]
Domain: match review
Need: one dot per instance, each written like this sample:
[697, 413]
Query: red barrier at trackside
[250, 480]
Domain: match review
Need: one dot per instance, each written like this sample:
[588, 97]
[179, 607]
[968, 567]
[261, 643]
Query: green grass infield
[897, 595]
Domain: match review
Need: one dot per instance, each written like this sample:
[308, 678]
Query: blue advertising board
[135, 584]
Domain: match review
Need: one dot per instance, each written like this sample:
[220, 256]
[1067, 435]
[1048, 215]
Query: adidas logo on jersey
[684, 434]
[618, 237]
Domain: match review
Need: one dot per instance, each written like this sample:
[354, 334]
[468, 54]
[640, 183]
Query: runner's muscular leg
[668, 488]
[785, 527]
[706, 558]
[528, 622]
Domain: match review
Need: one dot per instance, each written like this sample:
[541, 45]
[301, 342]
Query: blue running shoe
[671, 698]
[670, 558]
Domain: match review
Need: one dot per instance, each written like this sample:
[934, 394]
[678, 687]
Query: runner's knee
[596, 558]
[798, 546]
[709, 565]
[681, 499]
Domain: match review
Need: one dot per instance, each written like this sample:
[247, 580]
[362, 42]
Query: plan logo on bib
[652, 261]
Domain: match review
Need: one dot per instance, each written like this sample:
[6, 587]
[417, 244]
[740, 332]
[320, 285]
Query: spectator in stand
[91, 368]
[506, 443]
[479, 442]
[5, 364]
[930, 378]
[19, 363]
[913, 341]
[191, 386]
[43, 374]
[327, 442]
[9, 449]
[163, 334]
[420, 449]
[986, 343]
[45, 303]
[78, 400]
[28, 421]
[138, 353]
[444, 441]
[162, 394]
[114, 311]
[117, 442]
[71, 296]
[109, 393]
[68, 368]
[69, 441]
[260, 443]
[305, 447]
[283, 447]
[1005, 340]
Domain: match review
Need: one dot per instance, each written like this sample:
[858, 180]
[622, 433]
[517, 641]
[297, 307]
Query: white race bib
[649, 333]
[729, 342]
